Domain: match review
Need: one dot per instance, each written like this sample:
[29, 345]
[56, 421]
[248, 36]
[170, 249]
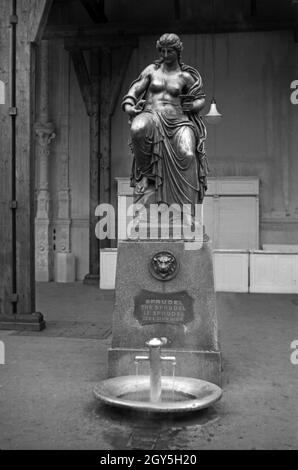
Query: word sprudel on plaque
[157, 307]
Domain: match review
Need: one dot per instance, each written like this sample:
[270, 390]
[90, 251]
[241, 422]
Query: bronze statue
[167, 132]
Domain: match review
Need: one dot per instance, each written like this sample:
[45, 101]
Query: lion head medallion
[163, 266]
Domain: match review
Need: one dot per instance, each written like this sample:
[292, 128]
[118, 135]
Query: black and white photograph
[149, 228]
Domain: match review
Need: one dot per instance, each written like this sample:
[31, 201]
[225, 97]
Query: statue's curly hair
[170, 40]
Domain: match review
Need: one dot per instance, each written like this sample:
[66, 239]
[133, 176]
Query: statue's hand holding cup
[133, 111]
[187, 103]
[140, 105]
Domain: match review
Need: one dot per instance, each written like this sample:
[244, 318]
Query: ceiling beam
[83, 77]
[123, 30]
[99, 41]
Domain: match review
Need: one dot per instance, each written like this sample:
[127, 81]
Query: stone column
[44, 131]
[63, 221]
[64, 264]
[93, 276]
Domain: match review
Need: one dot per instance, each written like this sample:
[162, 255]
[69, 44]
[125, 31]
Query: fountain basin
[179, 394]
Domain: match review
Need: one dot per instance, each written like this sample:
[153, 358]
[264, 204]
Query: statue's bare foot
[142, 185]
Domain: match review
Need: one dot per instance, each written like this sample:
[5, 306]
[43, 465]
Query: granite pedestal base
[179, 307]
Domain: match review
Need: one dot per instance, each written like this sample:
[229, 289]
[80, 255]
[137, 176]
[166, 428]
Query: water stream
[169, 395]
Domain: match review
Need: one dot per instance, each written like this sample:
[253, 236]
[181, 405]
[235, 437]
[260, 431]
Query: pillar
[64, 260]
[44, 132]
[93, 276]
[21, 24]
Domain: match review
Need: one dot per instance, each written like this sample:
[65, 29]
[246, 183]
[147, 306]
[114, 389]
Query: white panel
[238, 186]
[212, 186]
[281, 248]
[261, 273]
[272, 272]
[237, 223]
[231, 271]
[108, 262]
[285, 277]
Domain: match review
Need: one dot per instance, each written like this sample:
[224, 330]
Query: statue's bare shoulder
[189, 80]
[142, 82]
[148, 71]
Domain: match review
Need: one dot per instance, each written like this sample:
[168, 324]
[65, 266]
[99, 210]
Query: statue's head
[170, 41]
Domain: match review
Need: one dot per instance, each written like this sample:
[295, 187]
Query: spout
[155, 370]
[155, 359]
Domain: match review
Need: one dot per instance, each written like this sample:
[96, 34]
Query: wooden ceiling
[74, 18]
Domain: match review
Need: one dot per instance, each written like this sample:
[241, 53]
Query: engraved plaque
[155, 307]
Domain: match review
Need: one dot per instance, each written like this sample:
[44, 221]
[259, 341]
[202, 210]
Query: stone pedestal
[165, 289]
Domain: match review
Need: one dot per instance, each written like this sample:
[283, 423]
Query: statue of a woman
[167, 132]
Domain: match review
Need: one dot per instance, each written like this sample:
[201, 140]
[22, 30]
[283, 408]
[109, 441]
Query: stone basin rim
[109, 391]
